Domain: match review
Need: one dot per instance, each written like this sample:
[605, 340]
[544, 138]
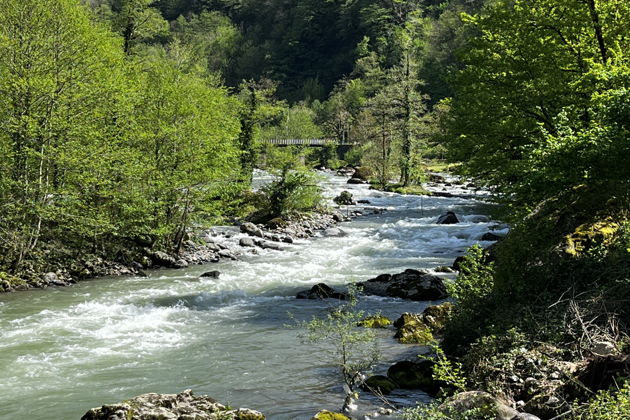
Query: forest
[125, 125]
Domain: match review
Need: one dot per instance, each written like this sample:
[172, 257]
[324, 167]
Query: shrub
[606, 405]
[292, 192]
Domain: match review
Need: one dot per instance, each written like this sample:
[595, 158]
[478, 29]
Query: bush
[472, 292]
[607, 405]
[292, 192]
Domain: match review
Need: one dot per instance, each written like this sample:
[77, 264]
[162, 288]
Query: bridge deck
[305, 142]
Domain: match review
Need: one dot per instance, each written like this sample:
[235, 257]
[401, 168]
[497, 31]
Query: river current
[65, 350]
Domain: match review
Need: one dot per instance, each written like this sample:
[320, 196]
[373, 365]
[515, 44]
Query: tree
[136, 20]
[61, 81]
[354, 350]
[526, 74]
[188, 133]
[378, 129]
[256, 106]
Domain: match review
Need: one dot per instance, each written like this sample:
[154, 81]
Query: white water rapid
[65, 350]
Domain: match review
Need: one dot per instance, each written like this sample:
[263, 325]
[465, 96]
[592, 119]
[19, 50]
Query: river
[65, 350]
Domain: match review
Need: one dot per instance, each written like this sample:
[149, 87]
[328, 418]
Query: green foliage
[434, 411]
[472, 291]
[100, 153]
[532, 110]
[606, 405]
[475, 279]
[352, 349]
[296, 122]
[292, 192]
[447, 371]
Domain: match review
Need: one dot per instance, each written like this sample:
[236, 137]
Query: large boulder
[246, 242]
[415, 375]
[212, 274]
[362, 173]
[251, 229]
[170, 406]
[435, 316]
[321, 291]
[344, 199]
[490, 406]
[162, 259]
[410, 284]
[448, 218]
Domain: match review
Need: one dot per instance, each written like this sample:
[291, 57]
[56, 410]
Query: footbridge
[341, 147]
[308, 142]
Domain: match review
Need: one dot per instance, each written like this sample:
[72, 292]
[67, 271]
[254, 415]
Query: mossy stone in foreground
[412, 330]
[329, 415]
[375, 321]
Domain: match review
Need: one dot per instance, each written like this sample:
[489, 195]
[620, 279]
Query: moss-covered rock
[362, 172]
[381, 384]
[329, 415]
[415, 375]
[589, 235]
[478, 404]
[277, 223]
[411, 329]
[435, 317]
[375, 321]
[408, 190]
[8, 282]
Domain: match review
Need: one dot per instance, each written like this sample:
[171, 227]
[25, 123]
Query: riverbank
[204, 245]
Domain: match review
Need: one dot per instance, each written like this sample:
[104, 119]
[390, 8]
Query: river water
[65, 350]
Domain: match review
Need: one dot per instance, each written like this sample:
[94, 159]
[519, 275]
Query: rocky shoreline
[181, 406]
[204, 246]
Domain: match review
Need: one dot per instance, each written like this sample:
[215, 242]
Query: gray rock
[50, 278]
[246, 242]
[270, 245]
[336, 232]
[525, 416]
[321, 291]
[180, 264]
[410, 284]
[225, 253]
[163, 259]
[212, 274]
[171, 406]
[213, 247]
[251, 229]
[449, 218]
[287, 240]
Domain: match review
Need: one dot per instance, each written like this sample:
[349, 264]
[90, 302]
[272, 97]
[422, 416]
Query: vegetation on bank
[125, 123]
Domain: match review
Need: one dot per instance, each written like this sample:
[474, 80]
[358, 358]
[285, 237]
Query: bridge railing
[305, 142]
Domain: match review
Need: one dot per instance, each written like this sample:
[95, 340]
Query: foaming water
[65, 350]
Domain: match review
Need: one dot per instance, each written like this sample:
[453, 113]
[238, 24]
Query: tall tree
[526, 75]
